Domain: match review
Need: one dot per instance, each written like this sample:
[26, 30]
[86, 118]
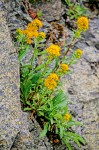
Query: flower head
[30, 33]
[37, 22]
[64, 67]
[78, 53]
[53, 76]
[53, 50]
[41, 35]
[50, 81]
[31, 27]
[19, 31]
[67, 117]
[50, 84]
[82, 23]
[29, 41]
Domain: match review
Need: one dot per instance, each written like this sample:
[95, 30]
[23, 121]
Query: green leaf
[22, 87]
[28, 103]
[23, 52]
[74, 135]
[68, 145]
[39, 13]
[71, 123]
[42, 52]
[20, 37]
[56, 130]
[27, 88]
[66, 141]
[26, 66]
[44, 131]
[27, 109]
[61, 131]
[51, 120]
[58, 116]
[60, 100]
[56, 64]
[39, 67]
[72, 17]
[24, 72]
[40, 113]
[76, 141]
[35, 77]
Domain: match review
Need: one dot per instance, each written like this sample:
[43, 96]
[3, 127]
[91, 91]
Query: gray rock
[83, 88]
[97, 45]
[10, 114]
[15, 133]
[51, 10]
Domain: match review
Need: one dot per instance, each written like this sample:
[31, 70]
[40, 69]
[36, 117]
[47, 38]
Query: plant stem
[34, 53]
[69, 46]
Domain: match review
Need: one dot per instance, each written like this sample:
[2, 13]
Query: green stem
[34, 53]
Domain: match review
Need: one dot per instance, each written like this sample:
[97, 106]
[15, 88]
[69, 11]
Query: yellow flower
[82, 23]
[78, 53]
[24, 31]
[50, 81]
[29, 41]
[67, 117]
[32, 27]
[19, 31]
[53, 76]
[41, 35]
[37, 22]
[50, 84]
[30, 33]
[53, 50]
[64, 67]
[35, 34]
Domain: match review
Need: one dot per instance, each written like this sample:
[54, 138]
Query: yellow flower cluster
[19, 31]
[78, 53]
[41, 35]
[82, 23]
[37, 22]
[53, 50]
[32, 31]
[67, 117]
[50, 81]
[64, 67]
[53, 76]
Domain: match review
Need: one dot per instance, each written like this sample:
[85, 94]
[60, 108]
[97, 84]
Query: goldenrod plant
[40, 82]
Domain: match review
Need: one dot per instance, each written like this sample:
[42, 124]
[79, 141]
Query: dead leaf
[32, 14]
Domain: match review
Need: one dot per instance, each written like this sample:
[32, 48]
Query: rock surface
[51, 10]
[17, 132]
[83, 87]
[10, 109]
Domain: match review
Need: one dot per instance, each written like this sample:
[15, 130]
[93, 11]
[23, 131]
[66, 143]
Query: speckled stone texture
[10, 109]
[50, 10]
[14, 124]
[83, 87]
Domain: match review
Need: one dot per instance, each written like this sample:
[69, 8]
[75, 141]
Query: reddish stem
[69, 46]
